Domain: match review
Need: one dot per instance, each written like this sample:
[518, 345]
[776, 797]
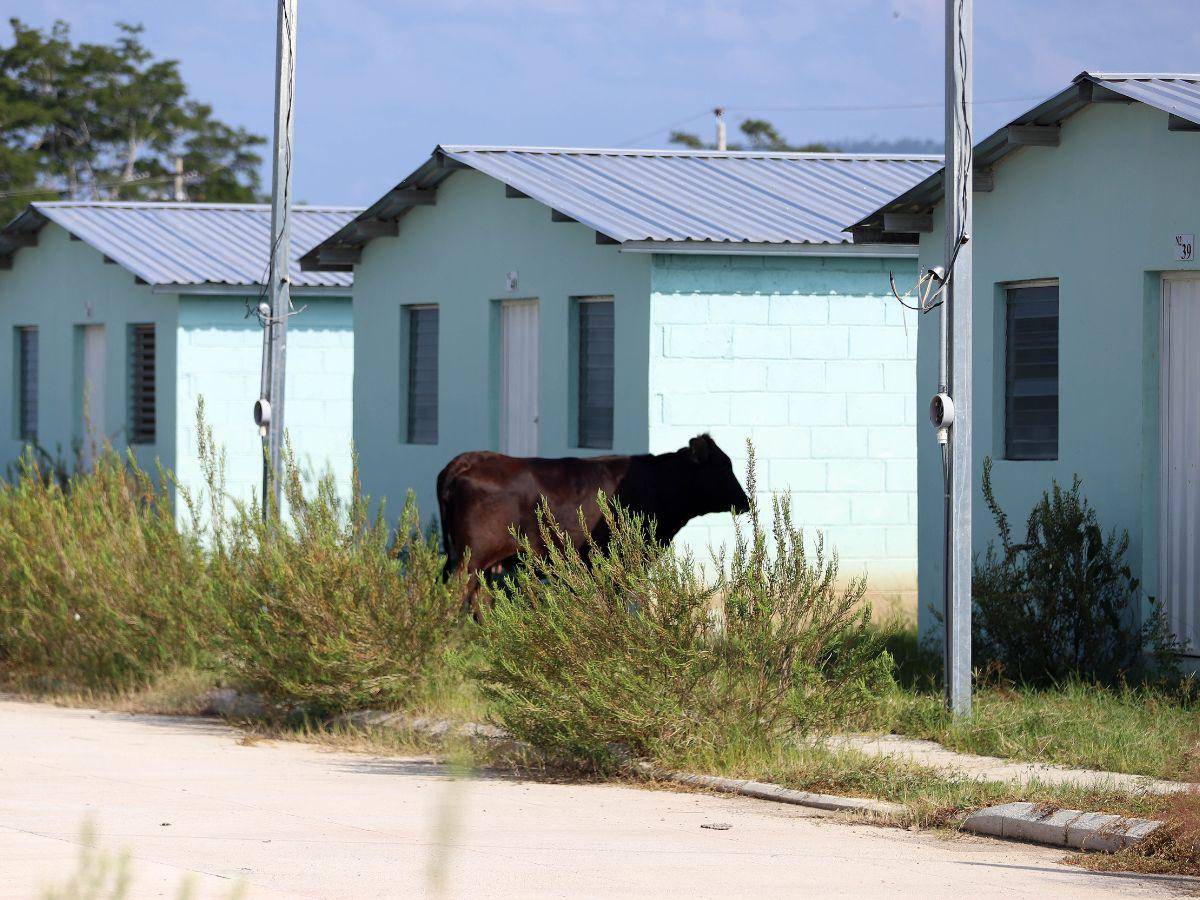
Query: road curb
[1021, 821]
[764, 791]
[1071, 828]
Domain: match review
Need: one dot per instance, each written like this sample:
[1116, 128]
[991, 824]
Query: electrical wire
[931, 300]
[671, 127]
[873, 108]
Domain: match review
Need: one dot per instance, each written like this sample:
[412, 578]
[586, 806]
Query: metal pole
[269, 411]
[957, 310]
[719, 112]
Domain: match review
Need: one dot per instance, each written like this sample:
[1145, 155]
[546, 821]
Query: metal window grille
[143, 360]
[1031, 372]
[595, 372]
[27, 377]
[422, 374]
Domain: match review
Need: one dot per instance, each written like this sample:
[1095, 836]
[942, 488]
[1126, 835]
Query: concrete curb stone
[774, 792]
[1058, 827]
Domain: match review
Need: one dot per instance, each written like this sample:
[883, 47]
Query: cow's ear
[699, 447]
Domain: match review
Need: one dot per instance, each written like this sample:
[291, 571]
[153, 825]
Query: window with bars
[595, 375]
[1031, 372]
[26, 341]
[142, 384]
[422, 389]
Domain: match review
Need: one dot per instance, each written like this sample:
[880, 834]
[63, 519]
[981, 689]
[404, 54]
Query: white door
[1179, 473]
[519, 377]
[93, 387]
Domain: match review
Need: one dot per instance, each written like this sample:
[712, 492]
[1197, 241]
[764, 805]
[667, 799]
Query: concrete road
[186, 800]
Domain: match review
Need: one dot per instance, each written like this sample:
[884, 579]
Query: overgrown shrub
[328, 607]
[1063, 602]
[803, 639]
[630, 646]
[98, 588]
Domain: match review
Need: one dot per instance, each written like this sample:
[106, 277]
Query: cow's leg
[476, 599]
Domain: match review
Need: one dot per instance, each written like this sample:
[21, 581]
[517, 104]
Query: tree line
[111, 121]
[759, 134]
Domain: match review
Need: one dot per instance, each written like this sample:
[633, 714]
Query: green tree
[102, 121]
[759, 134]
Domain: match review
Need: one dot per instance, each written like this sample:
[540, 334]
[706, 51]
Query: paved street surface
[188, 801]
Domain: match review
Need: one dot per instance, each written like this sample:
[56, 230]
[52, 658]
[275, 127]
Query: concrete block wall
[814, 361]
[220, 356]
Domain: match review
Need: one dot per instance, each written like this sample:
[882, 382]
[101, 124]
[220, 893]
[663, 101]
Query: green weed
[626, 648]
[98, 588]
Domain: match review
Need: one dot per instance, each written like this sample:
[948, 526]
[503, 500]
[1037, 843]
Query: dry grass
[1173, 849]
[177, 692]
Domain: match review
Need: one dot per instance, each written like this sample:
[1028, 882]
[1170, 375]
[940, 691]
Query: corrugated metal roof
[785, 198]
[669, 195]
[187, 244]
[1175, 94]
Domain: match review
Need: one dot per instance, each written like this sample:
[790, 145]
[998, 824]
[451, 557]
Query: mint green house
[562, 302]
[118, 317]
[1086, 342]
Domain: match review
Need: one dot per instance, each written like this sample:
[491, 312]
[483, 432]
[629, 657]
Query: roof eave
[342, 249]
[22, 231]
[770, 248]
[1085, 88]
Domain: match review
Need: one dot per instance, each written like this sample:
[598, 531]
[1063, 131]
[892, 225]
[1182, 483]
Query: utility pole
[719, 112]
[956, 354]
[274, 312]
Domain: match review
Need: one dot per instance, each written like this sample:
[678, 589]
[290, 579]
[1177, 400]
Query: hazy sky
[381, 83]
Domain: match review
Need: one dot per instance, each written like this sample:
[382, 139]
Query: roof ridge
[1141, 76]
[732, 154]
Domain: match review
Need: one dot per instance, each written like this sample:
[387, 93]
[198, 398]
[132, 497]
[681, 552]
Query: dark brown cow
[483, 494]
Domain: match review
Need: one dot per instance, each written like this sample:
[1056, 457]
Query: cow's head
[716, 487]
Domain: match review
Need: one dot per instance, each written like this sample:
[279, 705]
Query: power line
[874, 108]
[868, 108]
[671, 127]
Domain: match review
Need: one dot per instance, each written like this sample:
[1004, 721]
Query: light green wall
[1099, 213]
[813, 360]
[220, 358]
[457, 254]
[61, 284]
